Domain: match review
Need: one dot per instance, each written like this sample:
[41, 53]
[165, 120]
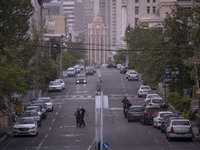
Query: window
[148, 9]
[51, 22]
[136, 1]
[148, 1]
[154, 1]
[136, 20]
[154, 9]
[136, 10]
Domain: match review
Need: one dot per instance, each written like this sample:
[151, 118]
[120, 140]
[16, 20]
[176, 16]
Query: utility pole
[61, 56]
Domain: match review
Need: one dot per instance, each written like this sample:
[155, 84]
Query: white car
[62, 83]
[55, 86]
[179, 128]
[25, 126]
[144, 90]
[156, 101]
[48, 102]
[78, 68]
[147, 99]
[158, 118]
[71, 72]
[133, 75]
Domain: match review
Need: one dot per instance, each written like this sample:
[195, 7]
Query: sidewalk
[5, 133]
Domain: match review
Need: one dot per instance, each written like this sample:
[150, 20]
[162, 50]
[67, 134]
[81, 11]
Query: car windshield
[25, 121]
[157, 101]
[33, 108]
[161, 115]
[80, 75]
[70, 70]
[166, 117]
[133, 72]
[31, 113]
[181, 122]
[55, 83]
[136, 109]
[46, 100]
[149, 96]
[152, 110]
[145, 88]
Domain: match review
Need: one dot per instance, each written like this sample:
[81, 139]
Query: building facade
[98, 42]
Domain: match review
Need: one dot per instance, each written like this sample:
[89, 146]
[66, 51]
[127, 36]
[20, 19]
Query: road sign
[105, 145]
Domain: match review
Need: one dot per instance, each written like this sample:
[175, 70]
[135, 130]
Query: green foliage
[14, 57]
[120, 58]
[68, 60]
[181, 104]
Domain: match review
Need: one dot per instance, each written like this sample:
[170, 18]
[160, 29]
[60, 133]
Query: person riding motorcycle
[126, 104]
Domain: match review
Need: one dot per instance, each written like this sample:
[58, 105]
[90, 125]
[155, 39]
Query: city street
[59, 132]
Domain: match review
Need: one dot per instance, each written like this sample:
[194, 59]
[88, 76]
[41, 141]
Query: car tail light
[140, 91]
[190, 129]
[150, 104]
[129, 76]
[162, 122]
[129, 113]
[172, 129]
[136, 75]
[146, 113]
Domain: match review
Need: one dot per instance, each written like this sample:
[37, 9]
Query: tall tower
[98, 42]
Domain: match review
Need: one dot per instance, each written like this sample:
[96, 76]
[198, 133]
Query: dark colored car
[165, 120]
[89, 71]
[43, 106]
[148, 114]
[135, 113]
[124, 69]
[81, 78]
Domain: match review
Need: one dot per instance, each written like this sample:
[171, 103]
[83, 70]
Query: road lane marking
[40, 145]
[156, 141]
[50, 128]
[150, 132]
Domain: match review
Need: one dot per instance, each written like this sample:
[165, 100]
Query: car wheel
[154, 125]
[129, 120]
[191, 139]
[39, 125]
[128, 79]
[52, 109]
[161, 130]
[144, 122]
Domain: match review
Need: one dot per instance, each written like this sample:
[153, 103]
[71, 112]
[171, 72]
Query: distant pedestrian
[191, 92]
[78, 116]
[82, 113]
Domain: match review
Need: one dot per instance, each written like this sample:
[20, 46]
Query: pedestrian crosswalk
[87, 97]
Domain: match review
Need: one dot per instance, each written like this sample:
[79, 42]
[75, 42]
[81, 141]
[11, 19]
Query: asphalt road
[58, 131]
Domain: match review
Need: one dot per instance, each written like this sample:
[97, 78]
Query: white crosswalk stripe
[85, 97]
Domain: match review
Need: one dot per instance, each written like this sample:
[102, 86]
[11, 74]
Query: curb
[4, 138]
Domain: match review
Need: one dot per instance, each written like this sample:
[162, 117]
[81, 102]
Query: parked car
[158, 118]
[25, 126]
[124, 69]
[147, 99]
[148, 114]
[34, 108]
[89, 71]
[165, 120]
[179, 128]
[71, 72]
[156, 101]
[42, 104]
[135, 113]
[35, 115]
[133, 75]
[55, 86]
[78, 68]
[62, 83]
[48, 102]
[144, 90]
[81, 78]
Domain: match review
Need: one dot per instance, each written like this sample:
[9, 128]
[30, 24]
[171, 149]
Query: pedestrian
[82, 113]
[191, 92]
[78, 116]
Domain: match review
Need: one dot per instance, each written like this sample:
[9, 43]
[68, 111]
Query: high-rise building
[98, 42]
